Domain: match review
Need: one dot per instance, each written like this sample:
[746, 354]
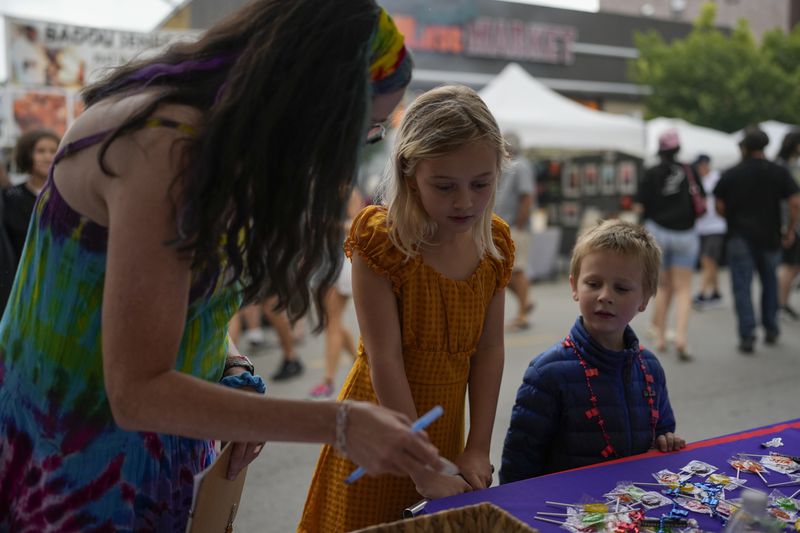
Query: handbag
[698, 200]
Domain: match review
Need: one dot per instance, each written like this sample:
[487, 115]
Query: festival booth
[547, 121]
[696, 489]
[588, 161]
[695, 140]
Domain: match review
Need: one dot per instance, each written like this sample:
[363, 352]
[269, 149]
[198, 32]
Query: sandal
[683, 354]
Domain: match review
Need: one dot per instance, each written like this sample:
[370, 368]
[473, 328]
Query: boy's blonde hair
[437, 123]
[623, 238]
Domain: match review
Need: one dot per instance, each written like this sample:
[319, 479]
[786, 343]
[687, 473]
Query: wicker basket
[480, 518]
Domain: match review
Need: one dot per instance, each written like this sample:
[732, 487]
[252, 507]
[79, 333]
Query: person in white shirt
[711, 228]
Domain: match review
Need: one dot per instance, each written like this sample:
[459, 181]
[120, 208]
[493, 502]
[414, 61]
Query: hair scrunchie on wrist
[245, 379]
[342, 413]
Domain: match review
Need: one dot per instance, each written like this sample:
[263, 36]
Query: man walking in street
[749, 196]
[515, 199]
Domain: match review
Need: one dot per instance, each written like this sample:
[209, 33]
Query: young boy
[597, 395]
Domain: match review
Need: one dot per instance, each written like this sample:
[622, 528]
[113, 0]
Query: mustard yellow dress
[441, 321]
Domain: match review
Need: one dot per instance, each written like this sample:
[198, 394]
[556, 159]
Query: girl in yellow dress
[429, 270]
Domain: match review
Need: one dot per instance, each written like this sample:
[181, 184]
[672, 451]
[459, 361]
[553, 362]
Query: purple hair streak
[156, 70]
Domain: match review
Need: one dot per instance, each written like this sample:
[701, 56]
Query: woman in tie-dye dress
[178, 191]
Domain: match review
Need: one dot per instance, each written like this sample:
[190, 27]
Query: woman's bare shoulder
[112, 112]
[142, 154]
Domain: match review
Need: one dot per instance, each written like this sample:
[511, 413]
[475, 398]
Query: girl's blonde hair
[437, 123]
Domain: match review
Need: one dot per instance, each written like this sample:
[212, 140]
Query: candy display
[698, 487]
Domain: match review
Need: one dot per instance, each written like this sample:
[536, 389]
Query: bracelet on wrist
[342, 414]
[244, 380]
[241, 361]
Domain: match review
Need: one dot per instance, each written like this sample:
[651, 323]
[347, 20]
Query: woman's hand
[433, 485]
[380, 441]
[475, 468]
[243, 453]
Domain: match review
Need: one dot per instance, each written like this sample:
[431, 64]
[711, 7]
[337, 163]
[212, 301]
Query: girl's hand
[669, 442]
[433, 485]
[475, 469]
[380, 441]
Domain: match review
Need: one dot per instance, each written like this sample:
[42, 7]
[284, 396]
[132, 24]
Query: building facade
[580, 54]
[762, 15]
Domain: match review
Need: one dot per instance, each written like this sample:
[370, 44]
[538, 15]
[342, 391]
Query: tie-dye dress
[64, 464]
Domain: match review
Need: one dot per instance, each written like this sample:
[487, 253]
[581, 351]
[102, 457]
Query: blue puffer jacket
[549, 429]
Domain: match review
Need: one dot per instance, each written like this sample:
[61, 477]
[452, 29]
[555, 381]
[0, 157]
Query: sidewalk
[720, 392]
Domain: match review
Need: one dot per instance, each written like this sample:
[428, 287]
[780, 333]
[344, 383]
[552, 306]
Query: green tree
[722, 81]
[783, 50]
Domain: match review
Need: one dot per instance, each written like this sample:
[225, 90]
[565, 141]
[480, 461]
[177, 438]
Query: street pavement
[719, 392]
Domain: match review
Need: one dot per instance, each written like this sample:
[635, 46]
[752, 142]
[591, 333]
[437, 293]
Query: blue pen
[422, 422]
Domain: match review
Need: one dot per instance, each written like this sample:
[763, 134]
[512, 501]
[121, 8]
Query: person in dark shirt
[34, 154]
[749, 196]
[665, 202]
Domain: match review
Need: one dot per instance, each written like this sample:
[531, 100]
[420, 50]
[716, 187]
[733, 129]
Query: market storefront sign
[493, 37]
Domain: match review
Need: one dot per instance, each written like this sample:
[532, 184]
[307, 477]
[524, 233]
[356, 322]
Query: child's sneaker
[321, 391]
[288, 370]
[255, 337]
[715, 300]
[788, 312]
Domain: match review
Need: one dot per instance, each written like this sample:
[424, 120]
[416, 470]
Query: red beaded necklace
[594, 411]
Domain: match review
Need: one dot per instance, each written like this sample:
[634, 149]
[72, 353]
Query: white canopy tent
[543, 119]
[695, 140]
[775, 130]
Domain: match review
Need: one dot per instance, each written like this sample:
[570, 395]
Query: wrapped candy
[780, 463]
[699, 468]
[696, 506]
[667, 477]
[729, 483]
[746, 465]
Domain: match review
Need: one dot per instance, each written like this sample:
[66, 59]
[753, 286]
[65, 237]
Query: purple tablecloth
[524, 499]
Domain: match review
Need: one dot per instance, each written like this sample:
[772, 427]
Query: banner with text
[49, 54]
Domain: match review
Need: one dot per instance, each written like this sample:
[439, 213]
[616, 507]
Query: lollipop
[586, 507]
[747, 465]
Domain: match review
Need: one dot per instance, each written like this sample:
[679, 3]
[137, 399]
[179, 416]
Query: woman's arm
[145, 301]
[485, 374]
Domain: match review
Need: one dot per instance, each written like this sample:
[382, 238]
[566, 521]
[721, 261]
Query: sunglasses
[376, 133]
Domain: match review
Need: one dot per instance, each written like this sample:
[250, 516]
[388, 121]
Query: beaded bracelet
[341, 426]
